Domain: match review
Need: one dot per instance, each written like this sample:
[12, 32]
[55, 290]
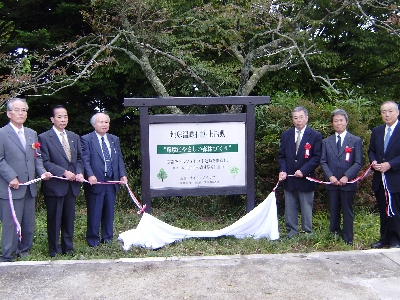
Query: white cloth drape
[261, 222]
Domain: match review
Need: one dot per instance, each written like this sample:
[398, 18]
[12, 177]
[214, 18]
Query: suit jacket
[55, 161]
[335, 164]
[15, 161]
[93, 160]
[290, 162]
[392, 156]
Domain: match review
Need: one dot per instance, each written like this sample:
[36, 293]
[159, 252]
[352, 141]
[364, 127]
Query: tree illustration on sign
[162, 174]
[234, 171]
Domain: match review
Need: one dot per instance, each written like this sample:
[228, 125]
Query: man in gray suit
[341, 160]
[62, 156]
[18, 163]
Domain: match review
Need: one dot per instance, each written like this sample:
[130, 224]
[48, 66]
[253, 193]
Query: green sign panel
[199, 148]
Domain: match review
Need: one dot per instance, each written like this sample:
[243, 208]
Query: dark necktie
[339, 143]
[107, 157]
[387, 138]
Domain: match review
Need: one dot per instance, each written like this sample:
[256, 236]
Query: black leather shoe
[394, 245]
[378, 245]
[3, 259]
[22, 254]
[106, 241]
[54, 254]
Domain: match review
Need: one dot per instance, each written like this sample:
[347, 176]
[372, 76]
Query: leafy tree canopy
[221, 47]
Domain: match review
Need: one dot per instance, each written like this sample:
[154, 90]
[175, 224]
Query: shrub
[273, 120]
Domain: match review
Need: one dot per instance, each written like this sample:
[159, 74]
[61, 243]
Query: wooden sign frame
[248, 117]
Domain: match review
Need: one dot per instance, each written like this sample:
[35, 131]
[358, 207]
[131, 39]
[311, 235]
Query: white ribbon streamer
[388, 196]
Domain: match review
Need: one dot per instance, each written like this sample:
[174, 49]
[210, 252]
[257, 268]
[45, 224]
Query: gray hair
[300, 108]
[340, 112]
[391, 102]
[93, 118]
[11, 101]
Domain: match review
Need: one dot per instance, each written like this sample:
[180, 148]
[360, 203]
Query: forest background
[91, 54]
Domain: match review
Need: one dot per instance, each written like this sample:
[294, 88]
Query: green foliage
[39, 38]
[225, 43]
[204, 34]
[203, 214]
[51, 22]
[5, 32]
[359, 53]
[273, 120]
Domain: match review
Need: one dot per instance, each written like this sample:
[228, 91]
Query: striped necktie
[107, 157]
[387, 138]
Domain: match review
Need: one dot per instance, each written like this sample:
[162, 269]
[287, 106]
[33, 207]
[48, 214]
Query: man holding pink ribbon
[384, 155]
[19, 160]
[341, 160]
[62, 156]
[102, 162]
[299, 155]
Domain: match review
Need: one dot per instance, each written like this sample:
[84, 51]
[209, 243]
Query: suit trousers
[340, 200]
[25, 211]
[389, 226]
[294, 199]
[100, 209]
[60, 217]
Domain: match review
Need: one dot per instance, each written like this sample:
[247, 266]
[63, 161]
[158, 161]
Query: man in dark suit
[102, 160]
[62, 156]
[341, 160]
[384, 154]
[19, 159]
[299, 156]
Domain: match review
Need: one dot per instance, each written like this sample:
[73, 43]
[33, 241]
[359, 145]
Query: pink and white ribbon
[131, 194]
[18, 225]
[388, 196]
[365, 173]
[14, 216]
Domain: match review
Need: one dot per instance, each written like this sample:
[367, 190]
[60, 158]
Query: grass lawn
[204, 213]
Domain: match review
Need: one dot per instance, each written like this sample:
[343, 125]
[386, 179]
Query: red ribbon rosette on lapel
[36, 146]
[307, 146]
[348, 150]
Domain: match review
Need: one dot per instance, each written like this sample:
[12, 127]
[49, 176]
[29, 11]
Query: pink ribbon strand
[142, 208]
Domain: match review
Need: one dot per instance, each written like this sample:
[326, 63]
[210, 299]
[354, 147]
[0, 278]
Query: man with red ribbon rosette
[19, 161]
[341, 160]
[299, 156]
[384, 155]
